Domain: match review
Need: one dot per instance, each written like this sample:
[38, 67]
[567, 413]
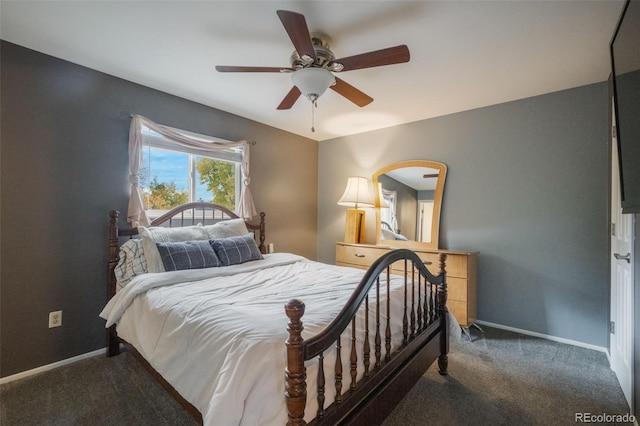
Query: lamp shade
[312, 81]
[357, 194]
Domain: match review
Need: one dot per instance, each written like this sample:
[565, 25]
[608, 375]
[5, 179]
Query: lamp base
[354, 226]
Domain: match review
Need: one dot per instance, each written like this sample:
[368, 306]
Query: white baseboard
[546, 336]
[48, 367]
[489, 324]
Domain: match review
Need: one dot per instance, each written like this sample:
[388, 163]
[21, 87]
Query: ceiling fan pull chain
[314, 105]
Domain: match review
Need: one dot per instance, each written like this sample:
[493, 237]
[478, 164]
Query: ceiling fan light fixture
[312, 81]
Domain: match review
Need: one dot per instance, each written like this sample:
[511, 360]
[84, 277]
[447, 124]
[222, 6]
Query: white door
[621, 338]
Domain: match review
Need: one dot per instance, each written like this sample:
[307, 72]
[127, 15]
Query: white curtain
[389, 215]
[245, 204]
[136, 214]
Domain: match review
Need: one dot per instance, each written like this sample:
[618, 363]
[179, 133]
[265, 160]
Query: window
[388, 215]
[195, 150]
[172, 175]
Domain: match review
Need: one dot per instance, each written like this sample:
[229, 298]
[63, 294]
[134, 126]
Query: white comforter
[217, 334]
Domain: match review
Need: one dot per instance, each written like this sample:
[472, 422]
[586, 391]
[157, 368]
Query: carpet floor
[498, 378]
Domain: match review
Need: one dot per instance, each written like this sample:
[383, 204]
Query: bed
[276, 338]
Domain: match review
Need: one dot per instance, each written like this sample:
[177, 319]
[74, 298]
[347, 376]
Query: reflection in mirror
[409, 197]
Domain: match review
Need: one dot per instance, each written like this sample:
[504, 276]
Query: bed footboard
[378, 375]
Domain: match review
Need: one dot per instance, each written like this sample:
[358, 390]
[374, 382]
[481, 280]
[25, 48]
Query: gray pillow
[198, 254]
[234, 250]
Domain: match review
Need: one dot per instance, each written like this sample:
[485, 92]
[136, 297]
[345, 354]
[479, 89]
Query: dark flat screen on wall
[625, 63]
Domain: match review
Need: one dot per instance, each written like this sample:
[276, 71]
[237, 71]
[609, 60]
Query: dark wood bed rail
[425, 338]
[179, 213]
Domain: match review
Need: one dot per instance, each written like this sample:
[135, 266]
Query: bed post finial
[262, 247]
[113, 251]
[113, 345]
[295, 373]
[443, 312]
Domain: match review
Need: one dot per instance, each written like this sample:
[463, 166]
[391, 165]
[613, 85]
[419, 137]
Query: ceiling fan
[313, 64]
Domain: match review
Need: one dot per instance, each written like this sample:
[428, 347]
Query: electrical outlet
[55, 319]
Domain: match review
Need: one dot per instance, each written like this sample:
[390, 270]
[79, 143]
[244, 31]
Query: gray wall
[64, 166]
[527, 187]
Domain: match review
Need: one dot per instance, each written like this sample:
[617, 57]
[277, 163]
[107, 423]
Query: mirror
[408, 201]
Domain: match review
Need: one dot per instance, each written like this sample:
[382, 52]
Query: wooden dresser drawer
[459, 310]
[357, 255]
[455, 264]
[457, 289]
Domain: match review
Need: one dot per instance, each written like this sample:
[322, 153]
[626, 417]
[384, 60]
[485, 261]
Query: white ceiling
[414, 177]
[464, 55]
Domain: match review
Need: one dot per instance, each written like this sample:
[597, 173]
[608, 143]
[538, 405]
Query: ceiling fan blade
[354, 95]
[388, 56]
[230, 68]
[290, 99]
[298, 32]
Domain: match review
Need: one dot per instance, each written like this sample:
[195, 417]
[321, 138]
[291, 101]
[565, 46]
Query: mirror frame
[437, 205]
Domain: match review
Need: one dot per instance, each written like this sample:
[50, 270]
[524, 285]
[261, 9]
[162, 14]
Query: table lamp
[356, 195]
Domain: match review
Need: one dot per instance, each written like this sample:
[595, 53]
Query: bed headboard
[184, 215]
[191, 214]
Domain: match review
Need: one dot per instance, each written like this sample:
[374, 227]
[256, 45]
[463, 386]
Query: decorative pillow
[132, 262]
[151, 236]
[234, 250]
[187, 255]
[226, 228]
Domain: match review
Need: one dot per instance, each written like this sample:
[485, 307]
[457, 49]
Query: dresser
[461, 268]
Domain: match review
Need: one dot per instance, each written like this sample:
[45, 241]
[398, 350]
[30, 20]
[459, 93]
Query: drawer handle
[359, 255]
[428, 262]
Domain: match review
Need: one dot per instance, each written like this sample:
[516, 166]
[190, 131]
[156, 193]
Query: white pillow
[226, 228]
[132, 262]
[385, 234]
[158, 234]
